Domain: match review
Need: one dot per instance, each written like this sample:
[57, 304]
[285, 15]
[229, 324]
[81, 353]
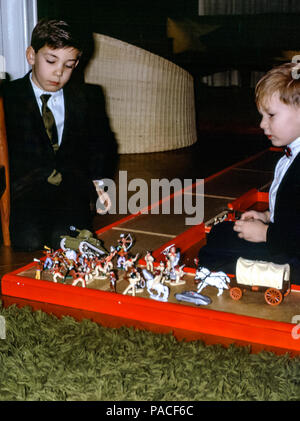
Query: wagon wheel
[236, 293]
[83, 247]
[273, 296]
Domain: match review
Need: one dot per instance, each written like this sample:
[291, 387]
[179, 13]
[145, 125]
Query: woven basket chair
[150, 100]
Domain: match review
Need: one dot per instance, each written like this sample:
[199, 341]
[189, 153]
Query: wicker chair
[150, 100]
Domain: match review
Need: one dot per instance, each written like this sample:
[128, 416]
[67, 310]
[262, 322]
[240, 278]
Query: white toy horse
[153, 283]
[215, 279]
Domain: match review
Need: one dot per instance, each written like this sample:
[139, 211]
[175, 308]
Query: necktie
[55, 177]
[49, 122]
[287, 151]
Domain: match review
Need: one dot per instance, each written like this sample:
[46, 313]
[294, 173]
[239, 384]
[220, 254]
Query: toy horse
[216, 279]
[153, 283]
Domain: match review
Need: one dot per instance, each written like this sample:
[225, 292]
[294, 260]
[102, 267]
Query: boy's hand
[253, 230]
[252, 214]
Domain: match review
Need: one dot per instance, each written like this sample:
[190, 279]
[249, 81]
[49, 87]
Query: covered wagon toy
[257, 275]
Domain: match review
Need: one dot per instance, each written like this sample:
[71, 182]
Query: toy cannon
[257, 275]
[85, 242]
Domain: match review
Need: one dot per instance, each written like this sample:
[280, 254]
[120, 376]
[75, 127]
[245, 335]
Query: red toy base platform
[186, 321]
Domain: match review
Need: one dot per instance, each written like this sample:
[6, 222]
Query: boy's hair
[283, 80]
[56, 34]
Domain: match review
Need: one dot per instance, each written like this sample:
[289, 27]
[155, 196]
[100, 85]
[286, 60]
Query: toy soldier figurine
[56, 272]
[124, 245]
[129, 263]
[39, 268]
[108, 266]
[49, 258]
[113, 281]
[134, 278]
[149, 259]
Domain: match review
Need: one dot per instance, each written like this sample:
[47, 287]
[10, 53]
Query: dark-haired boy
[52, 168]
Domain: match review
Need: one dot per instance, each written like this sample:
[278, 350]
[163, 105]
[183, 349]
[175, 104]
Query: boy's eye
[50, 61]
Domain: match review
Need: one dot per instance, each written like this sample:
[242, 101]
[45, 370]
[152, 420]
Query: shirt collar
[295, 146]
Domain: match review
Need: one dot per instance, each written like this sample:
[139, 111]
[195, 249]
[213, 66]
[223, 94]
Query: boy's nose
[263, 123]
[58, 71]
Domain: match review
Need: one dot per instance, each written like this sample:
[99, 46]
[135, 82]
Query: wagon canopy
[263, 274]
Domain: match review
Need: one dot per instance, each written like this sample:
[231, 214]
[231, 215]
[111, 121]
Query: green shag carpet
[44, 358]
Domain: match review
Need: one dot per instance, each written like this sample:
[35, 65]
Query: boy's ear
[30, 55]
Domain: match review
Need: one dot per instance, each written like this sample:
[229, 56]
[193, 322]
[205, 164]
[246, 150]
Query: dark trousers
[39, 221]
[224, 247]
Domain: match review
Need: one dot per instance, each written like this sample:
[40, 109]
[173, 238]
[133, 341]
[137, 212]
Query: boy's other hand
[252, 214]
[254, 230]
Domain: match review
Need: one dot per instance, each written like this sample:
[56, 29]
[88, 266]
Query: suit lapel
[32, 110]
[70, 116]
[288, 177]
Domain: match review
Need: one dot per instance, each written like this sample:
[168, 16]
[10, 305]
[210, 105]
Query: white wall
[17, 19]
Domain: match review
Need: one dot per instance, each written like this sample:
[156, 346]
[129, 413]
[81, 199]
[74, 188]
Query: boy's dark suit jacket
[88, 150]
[41, 212]
[224, 246]
[283, 236]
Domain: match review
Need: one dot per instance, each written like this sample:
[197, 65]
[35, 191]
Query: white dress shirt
[281, 168]
[55, 103]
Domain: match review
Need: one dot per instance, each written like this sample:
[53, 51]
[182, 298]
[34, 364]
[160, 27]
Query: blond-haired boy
[273, 235]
